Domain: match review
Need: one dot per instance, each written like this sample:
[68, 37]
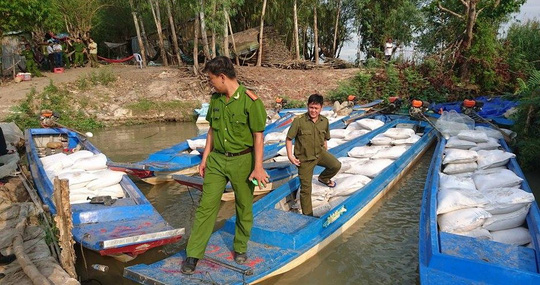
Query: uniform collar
[306, 116]
[237, 94]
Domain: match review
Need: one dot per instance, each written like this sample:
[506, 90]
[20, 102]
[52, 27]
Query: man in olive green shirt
[31, 66]
[233, 152]
[310, 132]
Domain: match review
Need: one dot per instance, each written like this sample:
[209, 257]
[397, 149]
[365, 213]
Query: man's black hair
[315, 98]
[220, 64]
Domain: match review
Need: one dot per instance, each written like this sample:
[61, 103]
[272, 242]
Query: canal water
[382, 248]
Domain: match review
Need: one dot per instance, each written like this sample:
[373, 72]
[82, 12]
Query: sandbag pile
[87, 174]
[478, 195]
[361, 165]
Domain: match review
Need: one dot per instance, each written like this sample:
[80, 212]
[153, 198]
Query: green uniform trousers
[219, 170]
[305, 173]
[79, 59]
[32, 68]
[65, 59]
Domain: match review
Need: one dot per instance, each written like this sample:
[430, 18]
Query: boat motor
[470, 106]
[417, 110]
[393, 105]
[471, 109]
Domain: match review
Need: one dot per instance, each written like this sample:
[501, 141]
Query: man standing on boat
[233, 152]
[310, 132]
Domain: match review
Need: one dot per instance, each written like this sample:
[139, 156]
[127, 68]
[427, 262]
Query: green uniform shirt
[78, 47]
[309, 136]
[28, 55]
[234, 122]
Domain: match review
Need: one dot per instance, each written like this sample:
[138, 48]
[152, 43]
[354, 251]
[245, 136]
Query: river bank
[125, 94]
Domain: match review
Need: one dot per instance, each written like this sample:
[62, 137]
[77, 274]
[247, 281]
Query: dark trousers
[305, 173]
[3, 144]
[51, 61]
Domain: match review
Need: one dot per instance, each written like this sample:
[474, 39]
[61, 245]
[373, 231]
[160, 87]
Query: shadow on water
[382, 248]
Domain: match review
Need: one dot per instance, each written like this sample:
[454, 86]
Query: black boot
[240, 258]
[7, 259]
[188, 266]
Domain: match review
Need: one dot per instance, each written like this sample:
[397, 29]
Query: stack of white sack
[361, 165]
[341, 136]
[87, 174]
[196, 145]
[478, 195]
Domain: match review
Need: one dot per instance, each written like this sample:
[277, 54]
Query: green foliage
[27, 15]
[522, 44]
[104, 76]
[26, 114]
[527, 124]
[291, 104]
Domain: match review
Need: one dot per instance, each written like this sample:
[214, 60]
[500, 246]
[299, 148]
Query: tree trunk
[226, 34]
[296, 42]
[315, 35]
[137, 28]
[206, 48]
[233, 42]
[336, 29]
[173, 31]
[157, 18]
[214, 53]
[144, 37]
[259, 56]
[196, 46]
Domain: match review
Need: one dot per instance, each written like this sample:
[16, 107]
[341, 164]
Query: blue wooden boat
[129, 226]
[282, 240]
[447, 258]
[160, 165]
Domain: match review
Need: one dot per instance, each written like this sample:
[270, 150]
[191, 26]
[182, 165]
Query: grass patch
[103, 76]
[147, 106]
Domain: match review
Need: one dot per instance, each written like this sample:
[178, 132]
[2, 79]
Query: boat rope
[248, 271]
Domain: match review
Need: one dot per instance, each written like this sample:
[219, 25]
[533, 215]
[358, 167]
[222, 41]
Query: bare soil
[165, 84]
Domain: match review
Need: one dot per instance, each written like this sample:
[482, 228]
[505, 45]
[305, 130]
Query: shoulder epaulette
[251, 95]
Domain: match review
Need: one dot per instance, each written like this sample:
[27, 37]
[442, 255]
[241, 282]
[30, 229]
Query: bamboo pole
[259, 57]
[233, 42]
[64, 222]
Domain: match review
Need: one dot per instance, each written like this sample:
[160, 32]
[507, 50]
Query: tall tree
[138, 29]
[261, 31]
[154, 6]
[196, 28]
[78, 15]
[202, 20]
[336, 28]
[315, 34]
[173, 32]
[295, 32]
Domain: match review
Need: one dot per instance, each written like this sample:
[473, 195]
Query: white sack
[515, 236]
[338, 133]
[80, 154]
[381, 139]
[506, 221]
[370, 124]
[456, 168]
[489, 145]
[455, 142]
[453, 155]
[365, 151]
[115, 191]
[473, 135]
[322, 209]
[493, 158]
[283, 151]
[106, 178]
[490, 132]
[52, 159]
[78, 177]
[393, 152]
[449, 200]
[195, 144]
[98, 161]
[334, 142]
[274, 137]
[399, 133]
[354, 134]
[455, 182]
[462, 220]
[371, 168]
[499, 179]
[348, 185]
[348, 162]
[413, 139]
[478, 233]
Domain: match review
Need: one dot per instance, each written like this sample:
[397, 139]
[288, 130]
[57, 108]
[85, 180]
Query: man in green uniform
[310, 132]
[66, 49]
[79, 48]
[233, 152]
[31, 65]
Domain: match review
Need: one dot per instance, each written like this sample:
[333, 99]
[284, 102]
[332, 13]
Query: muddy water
[382, 248]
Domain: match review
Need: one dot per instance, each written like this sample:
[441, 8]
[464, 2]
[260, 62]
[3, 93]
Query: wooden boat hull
[281, 240]
[129, 226]
[446, 258]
